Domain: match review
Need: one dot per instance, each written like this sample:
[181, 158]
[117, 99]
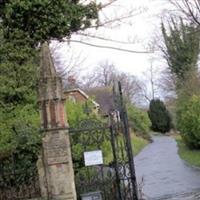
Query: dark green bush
[20, 142]
[159, 116]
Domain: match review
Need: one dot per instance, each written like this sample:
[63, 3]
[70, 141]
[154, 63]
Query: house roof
[83, 94]
[104, 97]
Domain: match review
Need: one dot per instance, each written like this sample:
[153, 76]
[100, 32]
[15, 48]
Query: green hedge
[191, 156]
[20, 142]
[188, 122]
[139, 121]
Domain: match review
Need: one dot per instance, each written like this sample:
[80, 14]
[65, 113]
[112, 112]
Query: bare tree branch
[190, 8]
[67, 65]
[108, 4]
[106, 47]
[103, 38]
[152, 81]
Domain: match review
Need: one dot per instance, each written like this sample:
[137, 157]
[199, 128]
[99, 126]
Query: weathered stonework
[55, 165]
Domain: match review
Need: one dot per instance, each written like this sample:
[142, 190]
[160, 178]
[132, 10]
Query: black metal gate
[112, 178]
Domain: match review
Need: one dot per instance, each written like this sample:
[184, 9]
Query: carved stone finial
[47, 68]
[51, 97]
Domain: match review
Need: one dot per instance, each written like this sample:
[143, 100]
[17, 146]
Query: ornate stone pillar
[55, 165]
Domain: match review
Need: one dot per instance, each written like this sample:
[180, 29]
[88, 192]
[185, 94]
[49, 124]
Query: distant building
[101, 97]
[77, 95]
[104, 97]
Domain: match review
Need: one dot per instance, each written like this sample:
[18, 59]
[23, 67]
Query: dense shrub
[75, 112]
[159, 116]
[20, 142]
[83, 114]
[188, 122]
[139, 121]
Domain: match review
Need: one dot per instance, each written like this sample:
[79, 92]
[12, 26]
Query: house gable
[77, 95]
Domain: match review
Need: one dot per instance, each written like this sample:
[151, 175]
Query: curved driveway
[165, 175]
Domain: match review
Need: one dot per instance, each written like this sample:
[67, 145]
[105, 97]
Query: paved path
[165, 175]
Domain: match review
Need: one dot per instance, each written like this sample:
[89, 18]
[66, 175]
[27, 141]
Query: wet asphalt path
[165, 175]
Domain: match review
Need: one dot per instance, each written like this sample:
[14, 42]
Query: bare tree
[167, 84]
[190, 86]
[130, 86]
[106, 73]
[69, 65]
[102, 75]
[150, 83]
[144, 94]
[190, 8]
[111, 15]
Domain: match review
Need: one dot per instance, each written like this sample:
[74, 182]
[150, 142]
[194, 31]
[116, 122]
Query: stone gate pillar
[55, 163]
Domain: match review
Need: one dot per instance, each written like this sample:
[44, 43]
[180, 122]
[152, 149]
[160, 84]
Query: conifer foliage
[182, 43]
[42, 20]
[24, 25]
[159, 116]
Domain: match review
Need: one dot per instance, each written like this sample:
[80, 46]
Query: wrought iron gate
[114, 178]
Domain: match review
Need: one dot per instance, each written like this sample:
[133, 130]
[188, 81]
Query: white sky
[143, 28]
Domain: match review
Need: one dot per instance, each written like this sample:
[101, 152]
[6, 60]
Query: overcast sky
[139, 30]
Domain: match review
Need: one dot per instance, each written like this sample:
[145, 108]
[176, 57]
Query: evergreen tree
[159, 116]
[35, 21]
[24, 25]
[19, 119]
[182, 43]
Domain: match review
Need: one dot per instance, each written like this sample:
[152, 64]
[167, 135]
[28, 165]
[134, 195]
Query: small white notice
[93, 158]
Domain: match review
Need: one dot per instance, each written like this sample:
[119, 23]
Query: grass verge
[190, 156]
[138, 144]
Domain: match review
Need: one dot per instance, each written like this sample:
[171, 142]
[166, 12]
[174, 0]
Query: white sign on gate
[93, 158]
